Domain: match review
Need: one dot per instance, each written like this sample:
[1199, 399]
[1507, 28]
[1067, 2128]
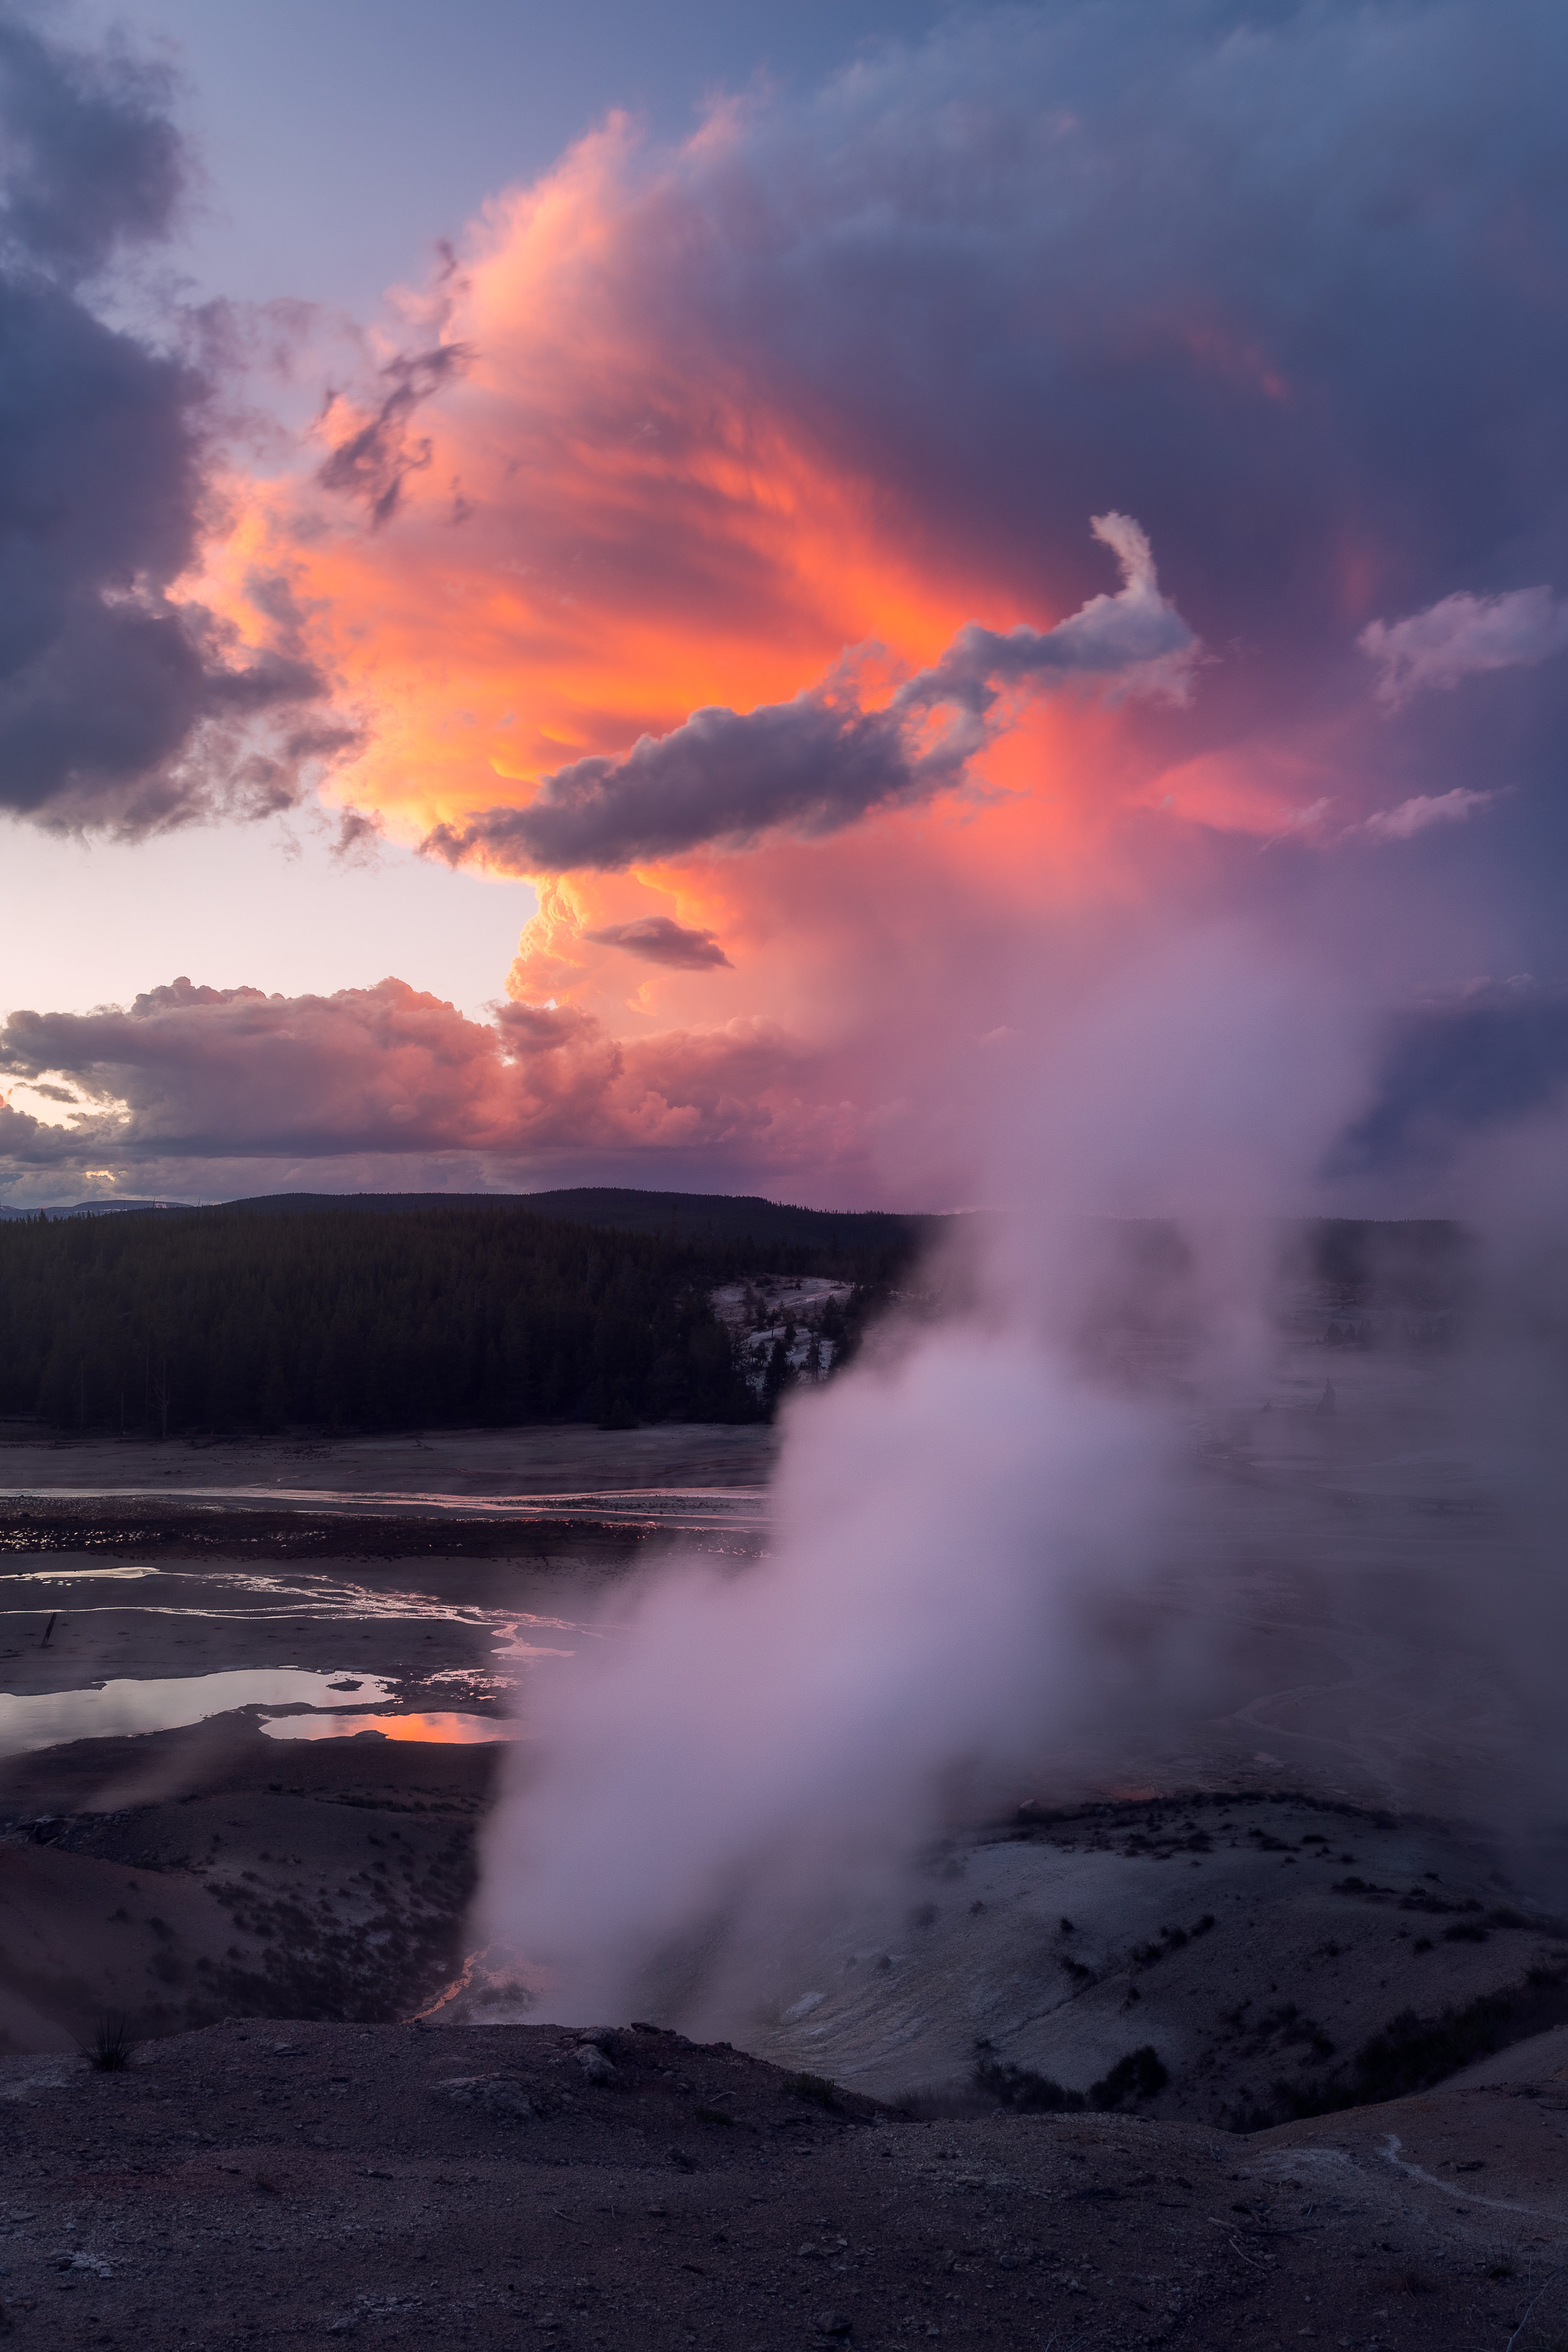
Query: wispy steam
[968, 1527]
[1003, 1555]
[747, 1744]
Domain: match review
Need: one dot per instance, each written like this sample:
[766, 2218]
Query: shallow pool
[113, 1709]
[463, 1729]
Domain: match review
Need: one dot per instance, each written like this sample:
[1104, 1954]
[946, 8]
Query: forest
[240, 1318]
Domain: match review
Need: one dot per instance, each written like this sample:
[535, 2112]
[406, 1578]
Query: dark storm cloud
[724, 775]
[659, 939]
[117, 705]
[1284, 282]
[1454, 1072]
[88, 158]
[819, 761]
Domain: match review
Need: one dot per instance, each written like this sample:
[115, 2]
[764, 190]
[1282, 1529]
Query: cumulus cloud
[819, 761]
[658, 938]
[210, 1074]
[1462, 636]
[119, 703]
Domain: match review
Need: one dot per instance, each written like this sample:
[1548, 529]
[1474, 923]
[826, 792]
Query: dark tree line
[208, 1319]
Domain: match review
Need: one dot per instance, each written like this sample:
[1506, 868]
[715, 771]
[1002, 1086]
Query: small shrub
[819, 2088]
[112, 2045]
[1021, 2087]
[1140, 2075]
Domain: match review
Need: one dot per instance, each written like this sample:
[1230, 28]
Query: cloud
[209, 1074]
[1134, 638]
[93, 161]
[660, 939]
[121, 705]
[1461, 636]
[1453, 1071]
[820, 762]
[1424, 810]
[373, 462]
[852, 367]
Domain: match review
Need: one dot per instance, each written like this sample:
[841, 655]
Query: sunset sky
[692, 599]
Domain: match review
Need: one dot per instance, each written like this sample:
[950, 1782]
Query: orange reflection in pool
[460, 1729]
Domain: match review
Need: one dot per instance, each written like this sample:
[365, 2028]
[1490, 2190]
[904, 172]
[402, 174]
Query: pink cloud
[213, 1074]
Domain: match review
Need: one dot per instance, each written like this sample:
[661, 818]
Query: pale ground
[1274, 1953]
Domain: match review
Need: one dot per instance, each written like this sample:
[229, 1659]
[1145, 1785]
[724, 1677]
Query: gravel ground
[244, 2186]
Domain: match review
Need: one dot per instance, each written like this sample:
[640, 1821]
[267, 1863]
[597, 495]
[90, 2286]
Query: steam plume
[968, 1586]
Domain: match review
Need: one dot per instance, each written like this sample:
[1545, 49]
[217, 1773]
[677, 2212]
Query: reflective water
[145, 1611]
[111, 1710]
[256, 1596]
[464, 1730]
[121, 1570]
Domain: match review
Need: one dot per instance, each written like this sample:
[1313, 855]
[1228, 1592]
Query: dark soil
[248, 2186]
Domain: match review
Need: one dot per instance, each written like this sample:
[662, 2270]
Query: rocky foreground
[247, 2185]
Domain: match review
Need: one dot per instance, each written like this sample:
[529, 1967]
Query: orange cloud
[574, 531]
[601, 482]
[581, 517]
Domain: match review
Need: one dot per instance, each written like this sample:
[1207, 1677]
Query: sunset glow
[866, 568]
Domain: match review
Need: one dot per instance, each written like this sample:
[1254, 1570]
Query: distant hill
[101, 1208]
[689, 1217]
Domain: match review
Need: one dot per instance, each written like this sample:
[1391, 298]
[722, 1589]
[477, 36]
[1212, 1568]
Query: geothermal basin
[256, 1702]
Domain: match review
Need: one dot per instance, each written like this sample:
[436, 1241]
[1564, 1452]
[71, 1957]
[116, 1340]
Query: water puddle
[323, 1703]
[257, 1596]
[465, 1731]
[112, 1710]
[75, 1575]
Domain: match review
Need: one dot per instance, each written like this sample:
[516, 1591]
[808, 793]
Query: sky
[705, 601]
